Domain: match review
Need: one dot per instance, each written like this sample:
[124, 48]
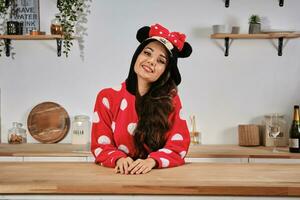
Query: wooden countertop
[191, 179]
[195, 151]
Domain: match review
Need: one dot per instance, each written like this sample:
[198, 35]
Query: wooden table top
[195, 151]
[191, 179]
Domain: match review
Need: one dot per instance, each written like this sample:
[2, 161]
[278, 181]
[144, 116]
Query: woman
[137, 126]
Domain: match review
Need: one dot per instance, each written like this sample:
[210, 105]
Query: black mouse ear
[186, 51]
[143, 33]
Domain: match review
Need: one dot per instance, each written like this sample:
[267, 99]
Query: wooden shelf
[278, 35]
[7, 40]
[31, 37]
[255, 36]
[227, 3]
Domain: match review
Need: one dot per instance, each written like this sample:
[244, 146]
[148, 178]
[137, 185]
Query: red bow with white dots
[176, 38]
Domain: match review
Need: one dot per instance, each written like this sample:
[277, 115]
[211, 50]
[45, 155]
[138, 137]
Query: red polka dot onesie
[115, 119]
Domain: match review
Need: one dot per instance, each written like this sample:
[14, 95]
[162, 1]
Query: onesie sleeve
[102, 140]
[177, 142]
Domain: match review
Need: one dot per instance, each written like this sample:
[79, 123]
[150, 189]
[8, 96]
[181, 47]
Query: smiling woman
[137, 126]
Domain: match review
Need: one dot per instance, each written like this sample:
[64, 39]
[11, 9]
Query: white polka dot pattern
[117, 88]
[168, 151]
[130, 128]
[182, 154]
[164, 162]
[97, 151]
[103, 140]
[123, 105]
[105, 102]
[96, 118]
[113, 126]
[177, 136]
[181, 114]
[123, 148]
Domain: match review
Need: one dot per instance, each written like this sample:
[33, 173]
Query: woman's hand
[142, 166]
[122, 165]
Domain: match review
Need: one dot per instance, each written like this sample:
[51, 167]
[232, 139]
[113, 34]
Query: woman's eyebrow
[162, 55]
[149, 48]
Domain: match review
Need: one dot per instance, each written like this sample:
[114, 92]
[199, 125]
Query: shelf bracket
[227, 2]
[226, 46]
[58, 42]
[281, 2]
[280, 43]
[7, 47]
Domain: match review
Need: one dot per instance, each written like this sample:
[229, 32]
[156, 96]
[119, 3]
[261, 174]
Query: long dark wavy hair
[153, 109]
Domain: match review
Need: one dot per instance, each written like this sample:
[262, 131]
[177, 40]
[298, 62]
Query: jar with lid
[17, 134]
[275, 125]
[56, 28]
[81, 129]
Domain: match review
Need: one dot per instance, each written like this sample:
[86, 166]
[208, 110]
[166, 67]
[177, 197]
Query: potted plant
[254, 24]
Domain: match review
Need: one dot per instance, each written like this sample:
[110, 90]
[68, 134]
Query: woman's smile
[147, 68]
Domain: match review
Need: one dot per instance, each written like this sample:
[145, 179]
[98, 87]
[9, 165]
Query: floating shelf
[279, 36]
[227, 3]
[7, 40]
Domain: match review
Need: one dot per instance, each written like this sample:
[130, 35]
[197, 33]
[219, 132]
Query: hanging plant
[7, 9]
[69, 14]
[3, 12]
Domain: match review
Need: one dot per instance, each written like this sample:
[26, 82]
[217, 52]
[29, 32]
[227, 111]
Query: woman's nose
[151, 61]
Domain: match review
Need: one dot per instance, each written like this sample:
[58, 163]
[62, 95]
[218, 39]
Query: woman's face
[151, 62]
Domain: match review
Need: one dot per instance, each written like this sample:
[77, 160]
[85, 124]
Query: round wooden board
[48, 122]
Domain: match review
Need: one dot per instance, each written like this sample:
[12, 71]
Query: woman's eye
[147, 53]
[162, 61]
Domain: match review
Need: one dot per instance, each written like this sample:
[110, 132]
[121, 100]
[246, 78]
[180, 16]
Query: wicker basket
[249, 135]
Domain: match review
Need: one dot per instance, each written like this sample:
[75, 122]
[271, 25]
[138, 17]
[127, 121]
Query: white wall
[221, 91]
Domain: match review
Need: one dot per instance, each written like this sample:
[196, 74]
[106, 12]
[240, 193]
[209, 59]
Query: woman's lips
[147, 69]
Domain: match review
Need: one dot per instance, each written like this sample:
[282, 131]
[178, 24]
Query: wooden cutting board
[48, 122]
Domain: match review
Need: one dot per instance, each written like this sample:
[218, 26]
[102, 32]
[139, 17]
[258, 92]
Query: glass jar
[81, 129]
[17, 134]
[56, 28]
[275, 129]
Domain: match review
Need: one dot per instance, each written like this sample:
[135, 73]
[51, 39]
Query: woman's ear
[186, 51]
[143, 33]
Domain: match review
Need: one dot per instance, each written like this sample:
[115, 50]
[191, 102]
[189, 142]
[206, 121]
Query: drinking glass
[274, 129]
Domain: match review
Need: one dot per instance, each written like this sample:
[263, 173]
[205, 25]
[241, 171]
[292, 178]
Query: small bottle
[56, 28]
[81, 129]
[194, 134]
[294, 141]
[17, 134]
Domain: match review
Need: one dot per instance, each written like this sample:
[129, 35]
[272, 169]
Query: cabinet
[8, 38]
[279, 36]
[196, 153]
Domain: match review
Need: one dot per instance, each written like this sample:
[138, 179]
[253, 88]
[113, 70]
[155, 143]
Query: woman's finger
[116, 169]
[143, 167]
[148, 169]
[121, 170]
[133, 164]
[126, 164]
[136, 168]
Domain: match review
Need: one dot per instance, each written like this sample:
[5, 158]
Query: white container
[81, 129]
[221, 29]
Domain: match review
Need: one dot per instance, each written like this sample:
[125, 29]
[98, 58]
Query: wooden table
[195, 151]
[190, 179]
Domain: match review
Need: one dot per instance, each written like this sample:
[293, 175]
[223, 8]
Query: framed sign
[28, 13]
